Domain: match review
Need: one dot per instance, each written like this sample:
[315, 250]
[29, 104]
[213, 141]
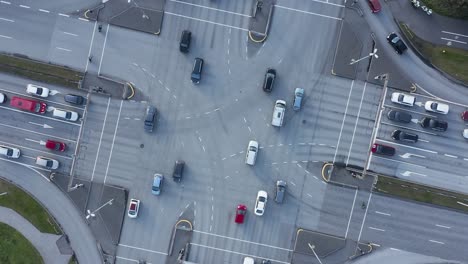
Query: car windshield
[37, 108]
[434, 106]
[252, 148]
[400, 97]
[9, 152]
[39, 90]
[261, 199]
[49, 163]
[155, 188]
[68, 115]
[240, 212]
[395, 39]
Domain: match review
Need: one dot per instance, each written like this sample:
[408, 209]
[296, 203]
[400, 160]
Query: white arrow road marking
[37, 141]
[53, 92]
[418, 103]
[42, 125]
[408, 173]
[407, 155]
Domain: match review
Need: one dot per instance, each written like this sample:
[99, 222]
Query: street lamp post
[372, 54]
[313, 251]
[93, 213]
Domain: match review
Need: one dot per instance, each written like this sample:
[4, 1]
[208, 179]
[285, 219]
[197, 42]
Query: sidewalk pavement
[46, 244]
[435, 28]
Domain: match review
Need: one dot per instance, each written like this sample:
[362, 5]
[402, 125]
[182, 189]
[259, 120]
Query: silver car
[298, 95]
[157, 184]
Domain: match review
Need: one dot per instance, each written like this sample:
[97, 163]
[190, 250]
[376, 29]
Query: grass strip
[450, 8]
[452, 61]
[15, 248]
[421, 193]
[28, 207]
[39, 71]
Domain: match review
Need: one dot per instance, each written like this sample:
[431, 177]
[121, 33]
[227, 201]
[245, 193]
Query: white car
[278, 113]
[47, 163]
[248, 260]
[133, 208]
[433, 106]
[252, 150]
[260, 204]
[465, 133]
[10, 152]
[37, 90]
[65, 114]
[3, 98]
[403, 99]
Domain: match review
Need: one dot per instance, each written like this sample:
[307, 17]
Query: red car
[55, 145]
[383, 150]
[240, 213]
[374, 5]
[464, 115]
[28, 105]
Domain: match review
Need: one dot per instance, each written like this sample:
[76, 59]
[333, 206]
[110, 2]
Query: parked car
[397, 44]
[47, 163]
[241, 210]
[252, 150]
[464, 115]
[465, 133]
[133, 208]
[399, 116]
[55, 145]
[185, 39]
[374, 5]
[403, 99]
[266, 261]
[298, 95]
[37, 90]
[248, 260]
[269, 80]
[197, 70]
[178, 170]
[3, 98]
[404, 136]
[28, 105]
[278, 113]
[74, 99]
[436, 107]
[280, 191]
[383, 150]
[149, 118]
[157, 184]
[65, 114]
[10, 152]
[434, 124]
[260, 203]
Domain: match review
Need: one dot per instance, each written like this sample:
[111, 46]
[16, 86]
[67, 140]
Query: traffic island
[259, 23]
[179, 246]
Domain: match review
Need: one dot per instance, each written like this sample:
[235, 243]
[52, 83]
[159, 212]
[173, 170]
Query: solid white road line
[129, 259]
[462, 42]
[402, 145]
[211, 8]
[42, 99]
[6, 19]
[365, 216]
[306, 12]
[29, 166]
[40, 116]
[399, 161]
[236, 252]
[241, 240]
[377, 212]
[143, 249]
[448, 32]
[90, 46]
[38, 133]
[377, 229]
[448, 227]
[351, 213]
[45, 152]
[435, 241]
[207, 21]
[328, 3]
[342, 123]
[100, 139]
[103, 49]
[113, 141]
[356, 123]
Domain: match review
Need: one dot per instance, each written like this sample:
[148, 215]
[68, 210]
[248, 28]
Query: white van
[248, 260]
[252, 150]
[278, 113]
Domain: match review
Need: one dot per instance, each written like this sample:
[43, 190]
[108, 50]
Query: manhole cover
[142, 145]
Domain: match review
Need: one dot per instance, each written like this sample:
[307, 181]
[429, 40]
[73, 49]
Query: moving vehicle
[298, 95]
[185, 39]
[37, 90]
[74, 99]
[157, 184]
[383, 150]
[149, 119]
[178, 170]
[260, 203]
[278, 113]
[10, 152]
[434, 124]
[47, 163]
[248, 260]
[241, 210]
[397, 44]
[28, 105]
[403, 99]
[436, 107]
[55, 145]
[465, 133]
[269, 80]
[464, 115]
[3, 98]
[374, 5]
[404, 136]
[399, 116]
[65, 114]
[197, 70]
[280, 191]
[133, 208]
[252, 150]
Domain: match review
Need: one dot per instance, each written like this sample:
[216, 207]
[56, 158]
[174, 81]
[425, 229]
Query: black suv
[178, 170]
[434, 124]
[74, 99]
[185, 41]
[197, 70]
[149, 119]
[399, 116]
[396, 43]
[269, 80]
[404, 136]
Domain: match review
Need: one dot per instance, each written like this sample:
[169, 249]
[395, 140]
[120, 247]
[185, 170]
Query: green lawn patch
[39, 71]
[15, 248]
[452, 61]
[421, 193]
[28, 207]
[450, 8]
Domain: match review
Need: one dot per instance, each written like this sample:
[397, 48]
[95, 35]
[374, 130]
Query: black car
[185, 39]
[197, 70]
[396, 43]
[399, 116]
[434, 124]
[404, 136]
[149, 119]
[74, 99]
[269, 80]
[178, 170]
